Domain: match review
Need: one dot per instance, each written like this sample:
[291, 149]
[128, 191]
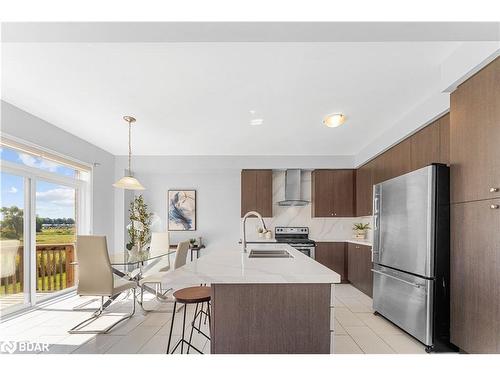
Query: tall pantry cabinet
[475, 212]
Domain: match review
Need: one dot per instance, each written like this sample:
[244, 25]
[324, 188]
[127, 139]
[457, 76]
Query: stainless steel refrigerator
[411, 248]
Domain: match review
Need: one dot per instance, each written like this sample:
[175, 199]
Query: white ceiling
[194, 98]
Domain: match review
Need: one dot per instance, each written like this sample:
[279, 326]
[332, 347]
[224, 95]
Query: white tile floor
[357, 330]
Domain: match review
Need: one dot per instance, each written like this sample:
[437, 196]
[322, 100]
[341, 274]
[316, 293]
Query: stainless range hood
[292, 189]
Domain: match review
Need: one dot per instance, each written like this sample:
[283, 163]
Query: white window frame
[83, 217]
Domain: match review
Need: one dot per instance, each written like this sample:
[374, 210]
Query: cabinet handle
[494, 206]
[493, 190]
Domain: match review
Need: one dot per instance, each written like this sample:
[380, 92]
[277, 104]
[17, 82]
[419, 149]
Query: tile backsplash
[321, 229]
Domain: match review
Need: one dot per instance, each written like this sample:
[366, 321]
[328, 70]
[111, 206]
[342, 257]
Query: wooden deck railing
[53, 268]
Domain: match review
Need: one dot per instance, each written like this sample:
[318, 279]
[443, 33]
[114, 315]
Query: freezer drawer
[405, 300]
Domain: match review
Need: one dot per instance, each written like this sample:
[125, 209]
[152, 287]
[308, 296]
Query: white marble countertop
[359, 242]
[349, 240]
[231, 266]
[260, 240]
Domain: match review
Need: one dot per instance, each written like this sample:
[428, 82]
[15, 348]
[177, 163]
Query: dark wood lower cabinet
[333, 255]
[359, 260]
[270, 319]
[352, 262]
[475, 276]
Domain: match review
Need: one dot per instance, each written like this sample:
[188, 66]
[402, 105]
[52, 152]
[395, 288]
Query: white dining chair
[96, 278]
[160, 244]
[157, 277]
[8, 253]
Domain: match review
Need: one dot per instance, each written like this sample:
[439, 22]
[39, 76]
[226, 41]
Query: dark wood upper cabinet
[475, 136]
[444, 139]
[364, 189]
[333, 193]
[431, 144]
[334, 256]
[248, 191]
[264, 198]
[378, 168]
[257, 191]
[475, 276]
[394, 162]
[425, 148]
[343, 192]
[321, 193]
[359, 267]
[398, 160]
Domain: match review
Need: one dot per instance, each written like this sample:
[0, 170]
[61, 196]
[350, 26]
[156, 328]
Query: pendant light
[129, 182]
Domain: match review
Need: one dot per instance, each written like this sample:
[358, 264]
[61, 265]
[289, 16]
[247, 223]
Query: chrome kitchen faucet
[243, 230]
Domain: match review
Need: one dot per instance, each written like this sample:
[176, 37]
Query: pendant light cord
[129, 149]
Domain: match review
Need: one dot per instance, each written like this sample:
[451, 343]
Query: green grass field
[56, 236]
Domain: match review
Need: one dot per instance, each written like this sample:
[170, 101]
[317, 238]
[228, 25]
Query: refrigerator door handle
[375, 204]
[397, 278]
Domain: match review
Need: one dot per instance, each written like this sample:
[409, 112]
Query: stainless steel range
[297, 237]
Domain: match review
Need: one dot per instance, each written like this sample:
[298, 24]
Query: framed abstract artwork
[181, 210]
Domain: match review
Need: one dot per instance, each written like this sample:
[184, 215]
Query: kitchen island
[265, 305]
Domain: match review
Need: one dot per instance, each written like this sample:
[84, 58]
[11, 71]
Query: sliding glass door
[55, 238]
[14, 254]
[44, 204]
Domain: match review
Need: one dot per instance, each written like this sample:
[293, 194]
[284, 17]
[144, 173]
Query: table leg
[120, 273]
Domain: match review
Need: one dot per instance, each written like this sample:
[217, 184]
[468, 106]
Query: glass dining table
[125, 264]
[132, 267]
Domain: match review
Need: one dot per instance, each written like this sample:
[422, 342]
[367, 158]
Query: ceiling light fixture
[129, 182]
[334, 120]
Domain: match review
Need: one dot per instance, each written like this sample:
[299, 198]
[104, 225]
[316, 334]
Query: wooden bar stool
[188, 296]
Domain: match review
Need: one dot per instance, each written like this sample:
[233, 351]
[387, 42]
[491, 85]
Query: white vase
[360, 234]
[133, 253]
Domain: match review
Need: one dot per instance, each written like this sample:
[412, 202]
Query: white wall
[217, 203]
[24, 126]
[217, 182]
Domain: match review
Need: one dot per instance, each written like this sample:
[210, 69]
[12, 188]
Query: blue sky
[35, 161]
[52, 200]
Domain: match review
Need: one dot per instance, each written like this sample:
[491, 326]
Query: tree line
[60, 220]
[11, 225]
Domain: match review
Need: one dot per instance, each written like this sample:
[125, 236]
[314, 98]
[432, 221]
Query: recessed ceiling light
[334, 120]
[257, 121]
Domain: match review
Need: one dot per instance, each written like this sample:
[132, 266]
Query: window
[12, 152]
[44, 197]
[18, 157]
